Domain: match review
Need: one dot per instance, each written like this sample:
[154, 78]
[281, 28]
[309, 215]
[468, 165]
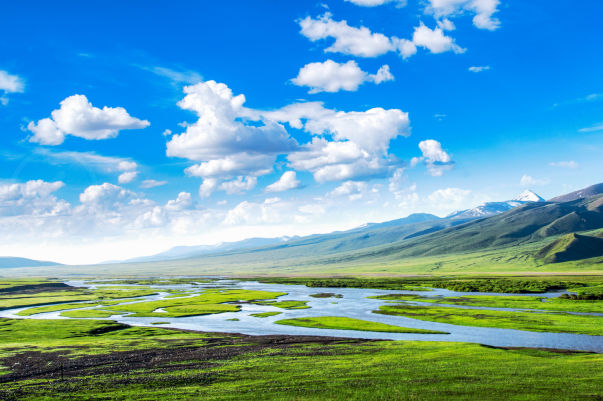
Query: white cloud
[570, 164]
[527, 181]
[348, 40]
[208, 186]
[435, 40]
[151, 183]
[126, 166]
[354, 190]
[34, 197]
[479, 69]
[79, 118]
[222, 202]
[594, 128]
[272, 200]
[434, 157]
[106, 195]
[157, 217]
[10, 84]
[178, 77]
[167, 132]
[217, 133]
[183, 202]
[235, 165]
[314, 209]
[448, 198]
[333, 77]
[373, 3]
[127, 177]
[483, 10]
[238, 186]
[287, 181]
[363, 43]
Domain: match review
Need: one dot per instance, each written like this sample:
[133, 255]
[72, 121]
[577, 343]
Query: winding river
[353, 304]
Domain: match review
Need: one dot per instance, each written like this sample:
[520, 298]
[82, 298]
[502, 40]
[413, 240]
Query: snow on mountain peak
[528, 196]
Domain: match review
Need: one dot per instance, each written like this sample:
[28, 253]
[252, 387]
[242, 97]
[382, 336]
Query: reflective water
[354, 304]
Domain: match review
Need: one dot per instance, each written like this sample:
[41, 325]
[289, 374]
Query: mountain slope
[9, 262]
[531, 222]
[593, 190]
[571, 247]
[491, 208]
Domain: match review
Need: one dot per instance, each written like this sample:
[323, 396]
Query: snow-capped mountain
[528, 196]
[490, 208]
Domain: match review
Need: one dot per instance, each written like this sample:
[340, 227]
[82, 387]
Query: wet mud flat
[33, 373]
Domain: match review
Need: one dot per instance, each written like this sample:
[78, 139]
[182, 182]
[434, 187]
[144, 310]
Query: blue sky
[354, 111]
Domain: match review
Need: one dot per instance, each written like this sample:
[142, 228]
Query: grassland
[284, 304]
[530, 321]
[265, 314]
[346, 323]
[104, 360]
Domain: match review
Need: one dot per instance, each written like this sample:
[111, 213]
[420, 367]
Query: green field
[346, 323]
[530, 321]
[174, 365]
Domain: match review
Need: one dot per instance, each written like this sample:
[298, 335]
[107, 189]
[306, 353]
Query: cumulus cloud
[483, 10]
[348, 40]
[239, 186]
[155, 218]
[450, 198]
[151, 183]
[434, 40]
[183, 202]
[434, 157]
[354, 189]
[570, 164]
[33, 197]
[79, 118]
[479, 69]
[362, 42]
[287, 181]
[373, 3]
[127, 177]
[527, 181]
[333, 77]
[10, 84]
[234, 165]
[105, 195]
[208, 186]
[217, 133]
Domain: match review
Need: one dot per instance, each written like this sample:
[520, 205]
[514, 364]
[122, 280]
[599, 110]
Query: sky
[128, 128]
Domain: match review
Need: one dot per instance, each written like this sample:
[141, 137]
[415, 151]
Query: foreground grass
[347, 323]
[265, 314]
[172, 365]
[541, 322]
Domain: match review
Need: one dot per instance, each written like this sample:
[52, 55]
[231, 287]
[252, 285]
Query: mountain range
[527, 223]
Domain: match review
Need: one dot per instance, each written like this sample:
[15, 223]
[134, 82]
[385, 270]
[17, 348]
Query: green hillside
[571, 247]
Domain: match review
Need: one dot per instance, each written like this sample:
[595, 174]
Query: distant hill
[7, 262]
[530, 222]
[410, 219]
[571, 247]
[596, 189]
[182, 252]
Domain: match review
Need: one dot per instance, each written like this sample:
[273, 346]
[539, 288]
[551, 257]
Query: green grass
[88, 313]
[346, 323]
[519, 302]
[160, 322]
[265, 314]
[326, 295]
[209, 302]
[382, 370]
[285, 304]
[158, 281]
[541, 322]
[60, 307]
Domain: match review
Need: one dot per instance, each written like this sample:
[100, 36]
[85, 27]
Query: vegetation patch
[266, 314]
[346, 323]
[160, 322]
[153, 281]
[326, 295]
[284, 304]
[541, 322]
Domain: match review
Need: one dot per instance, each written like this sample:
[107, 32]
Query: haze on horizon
[140, 130]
